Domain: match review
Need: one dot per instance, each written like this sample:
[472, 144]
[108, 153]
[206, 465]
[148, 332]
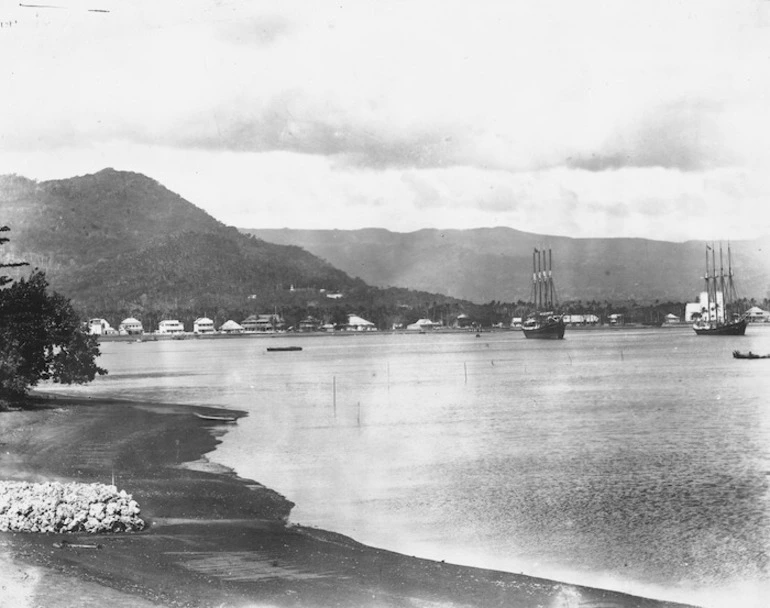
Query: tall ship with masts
[720, 316]
[544, 323]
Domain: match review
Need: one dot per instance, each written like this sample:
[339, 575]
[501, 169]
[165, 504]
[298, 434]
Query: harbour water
[630, 459]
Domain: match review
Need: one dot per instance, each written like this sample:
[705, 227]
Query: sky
[595, 118]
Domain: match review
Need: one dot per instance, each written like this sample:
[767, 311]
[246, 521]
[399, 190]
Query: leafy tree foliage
[41, 338]
[4, 279]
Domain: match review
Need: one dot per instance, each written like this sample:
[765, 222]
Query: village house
[100, 327]
[463, 321]
[231, 327]
[203, 325]
[588, 319]
[170, 326]
[309, 323]
[422, 325]
[263, 323]
[356, 323]
[130, 327]
[757, 315]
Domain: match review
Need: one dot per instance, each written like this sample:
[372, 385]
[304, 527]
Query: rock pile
[66, 507]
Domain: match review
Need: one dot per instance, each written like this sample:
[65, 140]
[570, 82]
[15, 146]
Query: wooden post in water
[334, 394]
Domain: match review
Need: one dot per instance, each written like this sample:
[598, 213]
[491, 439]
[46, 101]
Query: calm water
[635, 460]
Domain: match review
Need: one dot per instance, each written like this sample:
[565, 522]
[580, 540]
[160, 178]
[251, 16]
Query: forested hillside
[121, 244]
[485, 264]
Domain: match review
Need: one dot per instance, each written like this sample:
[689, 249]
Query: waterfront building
[309, 323]
[131, 327]
[203, 325]
[264, 323]
[356, 323]
[422, 325]
[170, 326]
[100, 327]
[757, 315]
[588, 319]
[231, 327]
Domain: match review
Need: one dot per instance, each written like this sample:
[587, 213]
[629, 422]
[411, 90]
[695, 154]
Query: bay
[630, 459]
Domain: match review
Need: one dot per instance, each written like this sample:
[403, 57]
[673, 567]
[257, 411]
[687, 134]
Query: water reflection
[634, 460]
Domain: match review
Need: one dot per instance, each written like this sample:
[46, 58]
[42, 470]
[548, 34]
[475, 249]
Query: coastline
[214, 539]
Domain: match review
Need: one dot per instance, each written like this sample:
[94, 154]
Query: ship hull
[737, 328]
[550, 330]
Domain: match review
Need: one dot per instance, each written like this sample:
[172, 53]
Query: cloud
[257, 30]
[610, 117]
[684, 135]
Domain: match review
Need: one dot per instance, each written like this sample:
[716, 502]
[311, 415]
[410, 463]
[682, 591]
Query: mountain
[118, 239]
[120, 244]
[495, 264]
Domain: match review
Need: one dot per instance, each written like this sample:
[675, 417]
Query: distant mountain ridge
[495, 264]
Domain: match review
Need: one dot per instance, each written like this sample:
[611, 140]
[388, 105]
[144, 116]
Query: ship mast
[733, 296]
[707, 278]
[535, 287]
[543, 290]
[725, 295]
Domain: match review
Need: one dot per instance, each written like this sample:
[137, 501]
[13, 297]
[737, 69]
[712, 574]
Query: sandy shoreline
[214, 539]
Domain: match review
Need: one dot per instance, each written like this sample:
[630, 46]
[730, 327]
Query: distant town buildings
[203, 325]
[231, 327]
[264, 323]
[422, 325]
[131, 327]
[170, 326]
[581, 319]
[99, 327]
[757, 315]
[356, 323]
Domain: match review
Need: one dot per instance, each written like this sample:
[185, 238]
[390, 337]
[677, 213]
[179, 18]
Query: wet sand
[214, 539]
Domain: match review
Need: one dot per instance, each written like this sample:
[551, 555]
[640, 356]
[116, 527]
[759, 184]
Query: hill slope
[120, 244]
[120, 238]
[488, 264]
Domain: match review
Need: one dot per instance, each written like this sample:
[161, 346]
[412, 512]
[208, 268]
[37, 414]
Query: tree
[4, 279]
[41, 338]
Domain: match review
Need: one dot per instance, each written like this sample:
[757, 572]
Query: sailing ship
[720, 317]
[543, 324]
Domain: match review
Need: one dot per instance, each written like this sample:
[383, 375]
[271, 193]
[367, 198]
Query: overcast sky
[614, 118]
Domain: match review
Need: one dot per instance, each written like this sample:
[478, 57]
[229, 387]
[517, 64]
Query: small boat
[749, 355]
[543, 324]
[217, 418]
[283, 348]
[719, 316]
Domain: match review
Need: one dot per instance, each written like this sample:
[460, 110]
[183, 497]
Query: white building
[130, 326]
[581, 319]
[170, 326]
[422, 325]
[203, 325]
[356, 323]
[757, 315]
[231, 327]
[704, 309]
[99, 327]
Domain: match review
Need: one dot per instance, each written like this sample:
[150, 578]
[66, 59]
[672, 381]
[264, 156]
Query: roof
[356, 320]
[203, 320]
[130, 321]
[230, 326]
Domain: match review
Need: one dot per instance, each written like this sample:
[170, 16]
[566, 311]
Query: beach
[213, 539]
